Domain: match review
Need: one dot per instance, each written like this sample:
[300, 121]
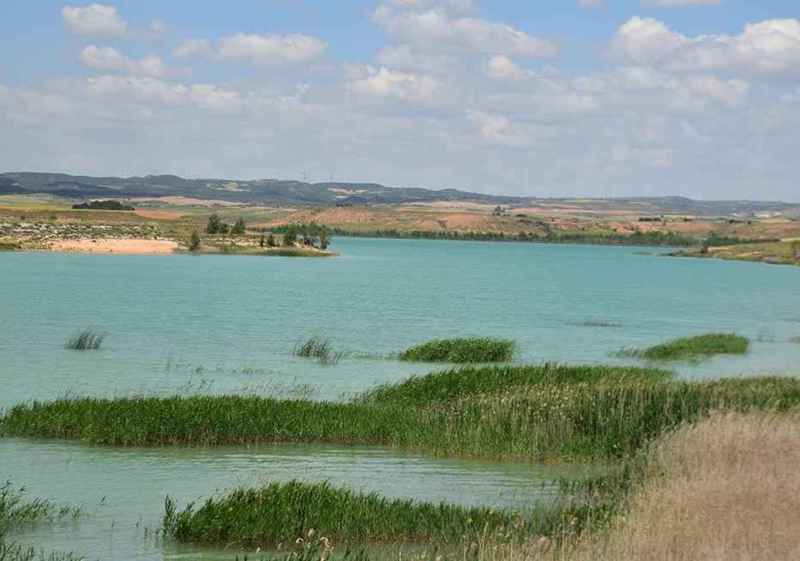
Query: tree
[215, 225]
[239, 228]
[290, 237]
[194, 241]
[271, 241]
[261, 241]
[324, 238]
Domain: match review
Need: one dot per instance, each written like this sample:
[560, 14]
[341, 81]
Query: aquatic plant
[280, 512]
[16, 510]
[590, 420]
[86, 340]
[318, 348]
[688, 348]
[485, 380]
[15, 552]
[463, 350]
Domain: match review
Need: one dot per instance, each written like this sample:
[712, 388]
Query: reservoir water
[220, 324]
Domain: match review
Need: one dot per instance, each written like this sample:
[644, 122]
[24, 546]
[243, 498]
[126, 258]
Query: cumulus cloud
[94, 20]
[108, 59]
[437, 29]
[766, 47]
[256, 49]
[385, 83]
[501, 67]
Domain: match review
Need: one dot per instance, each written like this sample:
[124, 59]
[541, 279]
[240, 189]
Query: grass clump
[279, 513]
[465, 350]
[578, 421]
[16, 510]
[318, 348]
[688, 348]
[469, 381]
[86, 340]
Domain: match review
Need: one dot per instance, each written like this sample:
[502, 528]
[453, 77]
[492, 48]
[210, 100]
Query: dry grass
[724, 489]
[729, 489]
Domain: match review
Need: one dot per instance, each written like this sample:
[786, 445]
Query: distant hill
[283, 192]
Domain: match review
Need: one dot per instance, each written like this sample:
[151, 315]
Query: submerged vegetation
[465, 350]
[688, 348]
[16, 510]
[279, 513]
[86, 340]
[318, 348]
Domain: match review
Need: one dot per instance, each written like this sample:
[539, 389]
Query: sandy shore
[127, 246]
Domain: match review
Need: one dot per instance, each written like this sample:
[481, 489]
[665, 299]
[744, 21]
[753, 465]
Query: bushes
[461, 351]
[318, 348]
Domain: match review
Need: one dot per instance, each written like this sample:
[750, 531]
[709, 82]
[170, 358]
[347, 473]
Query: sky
[603, 98]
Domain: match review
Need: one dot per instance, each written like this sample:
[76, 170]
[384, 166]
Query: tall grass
[279, 513]
[539, 422]
[318, 348]
[470, 381]
[16, 510]
[86, 340]
[467, 350]
[14, 552]
[688, 348]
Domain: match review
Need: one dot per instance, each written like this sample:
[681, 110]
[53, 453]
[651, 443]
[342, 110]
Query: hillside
[284, 192]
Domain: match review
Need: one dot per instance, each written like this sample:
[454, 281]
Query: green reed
[467, 381]
[688, 348]
[587, 420]
[16, 510]
[279, 513]
[86, 340]
[318, 348]
[467, 350]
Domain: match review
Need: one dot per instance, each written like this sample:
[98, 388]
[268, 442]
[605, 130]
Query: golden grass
[724, 489]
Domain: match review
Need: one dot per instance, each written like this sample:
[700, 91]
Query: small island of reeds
[462, 350]
[690, 348]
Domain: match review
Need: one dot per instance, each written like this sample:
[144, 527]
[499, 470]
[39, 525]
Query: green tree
[261, 241]
[239, 228]
[290, 237]
[214, 225]
[324, 238]
[271, 241]
[194, 241]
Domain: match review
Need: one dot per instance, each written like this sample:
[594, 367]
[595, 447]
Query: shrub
[194, 241]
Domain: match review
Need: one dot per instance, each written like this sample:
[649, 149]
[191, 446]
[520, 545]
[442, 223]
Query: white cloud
[158, 27]
[501, 67]
[385, 83]
[256, 49]
[767, 47]
[437, 30]
[94, 20]
[108, 59]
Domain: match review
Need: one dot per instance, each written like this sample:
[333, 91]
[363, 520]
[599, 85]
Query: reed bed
[582, 421]
[460, 351]
[86, 340]
[688, 348]
[16, 510]
[15, 552]
[468, 381]
[318, 348]
[279, 513]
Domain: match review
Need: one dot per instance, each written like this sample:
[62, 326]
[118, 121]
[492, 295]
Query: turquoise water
[220, 324]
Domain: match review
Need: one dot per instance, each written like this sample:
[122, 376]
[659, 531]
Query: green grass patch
[466, 350]
[17, 510]
[469, 381]
[688, 348]
[578, 421]
[280, 513]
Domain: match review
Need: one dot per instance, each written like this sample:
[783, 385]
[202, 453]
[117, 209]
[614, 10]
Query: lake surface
[221, 324]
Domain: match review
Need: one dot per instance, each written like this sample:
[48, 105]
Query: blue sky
[603, 97]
